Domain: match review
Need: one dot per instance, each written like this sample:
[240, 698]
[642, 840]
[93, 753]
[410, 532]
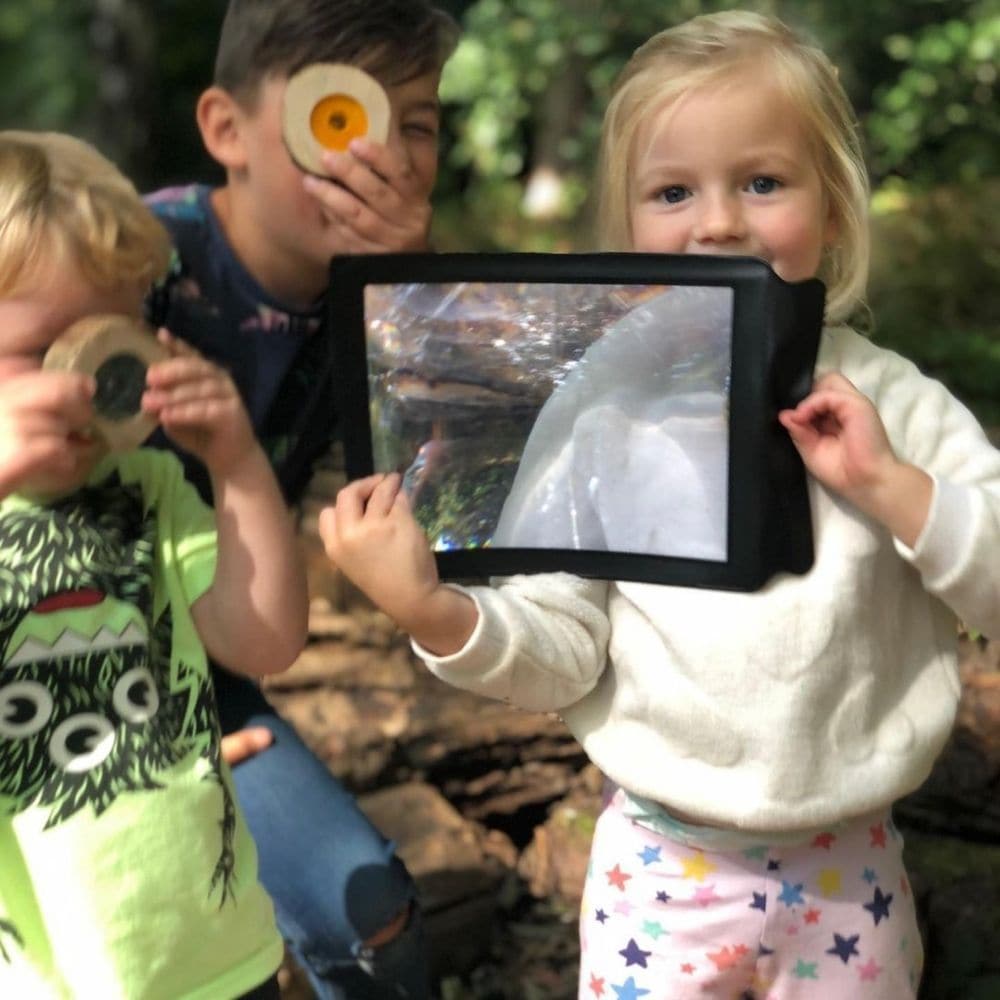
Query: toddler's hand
[41, 415]
[199, 407]
[371, 536]
[843, 443]
[840, 437]
[373, 200]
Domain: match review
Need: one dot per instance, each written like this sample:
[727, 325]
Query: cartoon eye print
[81, 742]
[25, 708]
[135, 697]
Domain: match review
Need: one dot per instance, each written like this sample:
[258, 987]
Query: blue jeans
[334, 879]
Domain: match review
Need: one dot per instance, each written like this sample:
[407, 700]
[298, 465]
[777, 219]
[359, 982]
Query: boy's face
[53, 298]
[292, 221]
[728, 170]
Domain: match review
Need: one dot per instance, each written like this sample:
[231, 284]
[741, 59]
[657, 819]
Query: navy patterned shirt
[278, 358]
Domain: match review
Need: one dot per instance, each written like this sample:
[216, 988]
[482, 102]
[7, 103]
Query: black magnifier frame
[773, 340]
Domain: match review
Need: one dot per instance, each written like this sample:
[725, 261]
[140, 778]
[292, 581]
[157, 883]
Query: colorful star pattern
[653, 929]
[697, 867]
[705, 894]
[805, 970]
[727, 957]
[628, 990]
[879, 906]
[650, 855]
[617, 877]
[829, 882]
[869, 972]
[791, 895]
[634, 955]
[844, 947]
[647, 946]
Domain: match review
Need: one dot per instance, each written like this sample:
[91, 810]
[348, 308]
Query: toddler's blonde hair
[62, 200]
[705, 50]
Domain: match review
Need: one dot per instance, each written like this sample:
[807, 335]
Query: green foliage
[939, 117]
[524, 95]
[935, 284]
[47, 82]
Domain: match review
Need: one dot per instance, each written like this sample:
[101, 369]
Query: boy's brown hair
[394, 40]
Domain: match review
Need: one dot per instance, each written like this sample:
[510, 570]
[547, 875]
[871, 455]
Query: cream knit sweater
[815, 699]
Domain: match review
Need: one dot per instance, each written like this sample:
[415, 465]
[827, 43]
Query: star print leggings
[830, 918]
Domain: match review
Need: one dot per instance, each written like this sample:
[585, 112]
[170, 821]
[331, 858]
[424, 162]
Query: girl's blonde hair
[60, 199]
[703, 51]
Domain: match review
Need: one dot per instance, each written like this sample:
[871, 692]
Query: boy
[247, 287]
[126, 869]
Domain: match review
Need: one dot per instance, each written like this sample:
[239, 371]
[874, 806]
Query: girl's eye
[763, 185]
[673, 194]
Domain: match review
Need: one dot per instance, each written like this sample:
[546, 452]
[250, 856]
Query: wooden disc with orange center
[326, 106]
[116, 351]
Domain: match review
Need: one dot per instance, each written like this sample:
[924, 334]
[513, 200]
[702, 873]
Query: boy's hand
[373, 200]
[843, 443]
[245, 743]
[41, 415]
[199, 407]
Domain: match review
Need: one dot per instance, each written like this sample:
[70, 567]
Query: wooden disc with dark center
[116, 351]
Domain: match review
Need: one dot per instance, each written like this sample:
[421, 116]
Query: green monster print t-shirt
[126, 870]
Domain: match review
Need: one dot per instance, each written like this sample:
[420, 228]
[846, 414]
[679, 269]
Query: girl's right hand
[371, 535]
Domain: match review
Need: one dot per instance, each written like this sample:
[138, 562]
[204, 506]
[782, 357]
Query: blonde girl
[754, 743]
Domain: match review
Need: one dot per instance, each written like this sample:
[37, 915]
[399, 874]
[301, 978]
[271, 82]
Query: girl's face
[727, 169]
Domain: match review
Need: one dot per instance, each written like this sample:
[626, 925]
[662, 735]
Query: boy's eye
[423, 130]
[763, 185]
[673, 194]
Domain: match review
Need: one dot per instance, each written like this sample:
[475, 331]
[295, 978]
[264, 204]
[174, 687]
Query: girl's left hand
[841, 438]
[843, 443]
[198, 406]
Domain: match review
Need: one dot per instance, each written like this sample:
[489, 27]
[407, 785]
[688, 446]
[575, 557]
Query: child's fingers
[196, 414]
[245, 743]
[352, 500]
[176, 345]
[383, 496]
[67, 396]
[184, 366]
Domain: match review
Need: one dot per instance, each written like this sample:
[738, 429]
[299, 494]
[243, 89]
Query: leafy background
[523, 99]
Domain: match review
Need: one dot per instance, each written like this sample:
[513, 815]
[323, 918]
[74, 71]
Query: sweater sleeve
[958, 551]
[540, 642]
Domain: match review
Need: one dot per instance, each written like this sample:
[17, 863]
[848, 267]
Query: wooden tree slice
[327, 105]
[116, 351]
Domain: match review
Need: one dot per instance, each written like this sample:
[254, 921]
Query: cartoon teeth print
[92, 705]
[85, 739]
